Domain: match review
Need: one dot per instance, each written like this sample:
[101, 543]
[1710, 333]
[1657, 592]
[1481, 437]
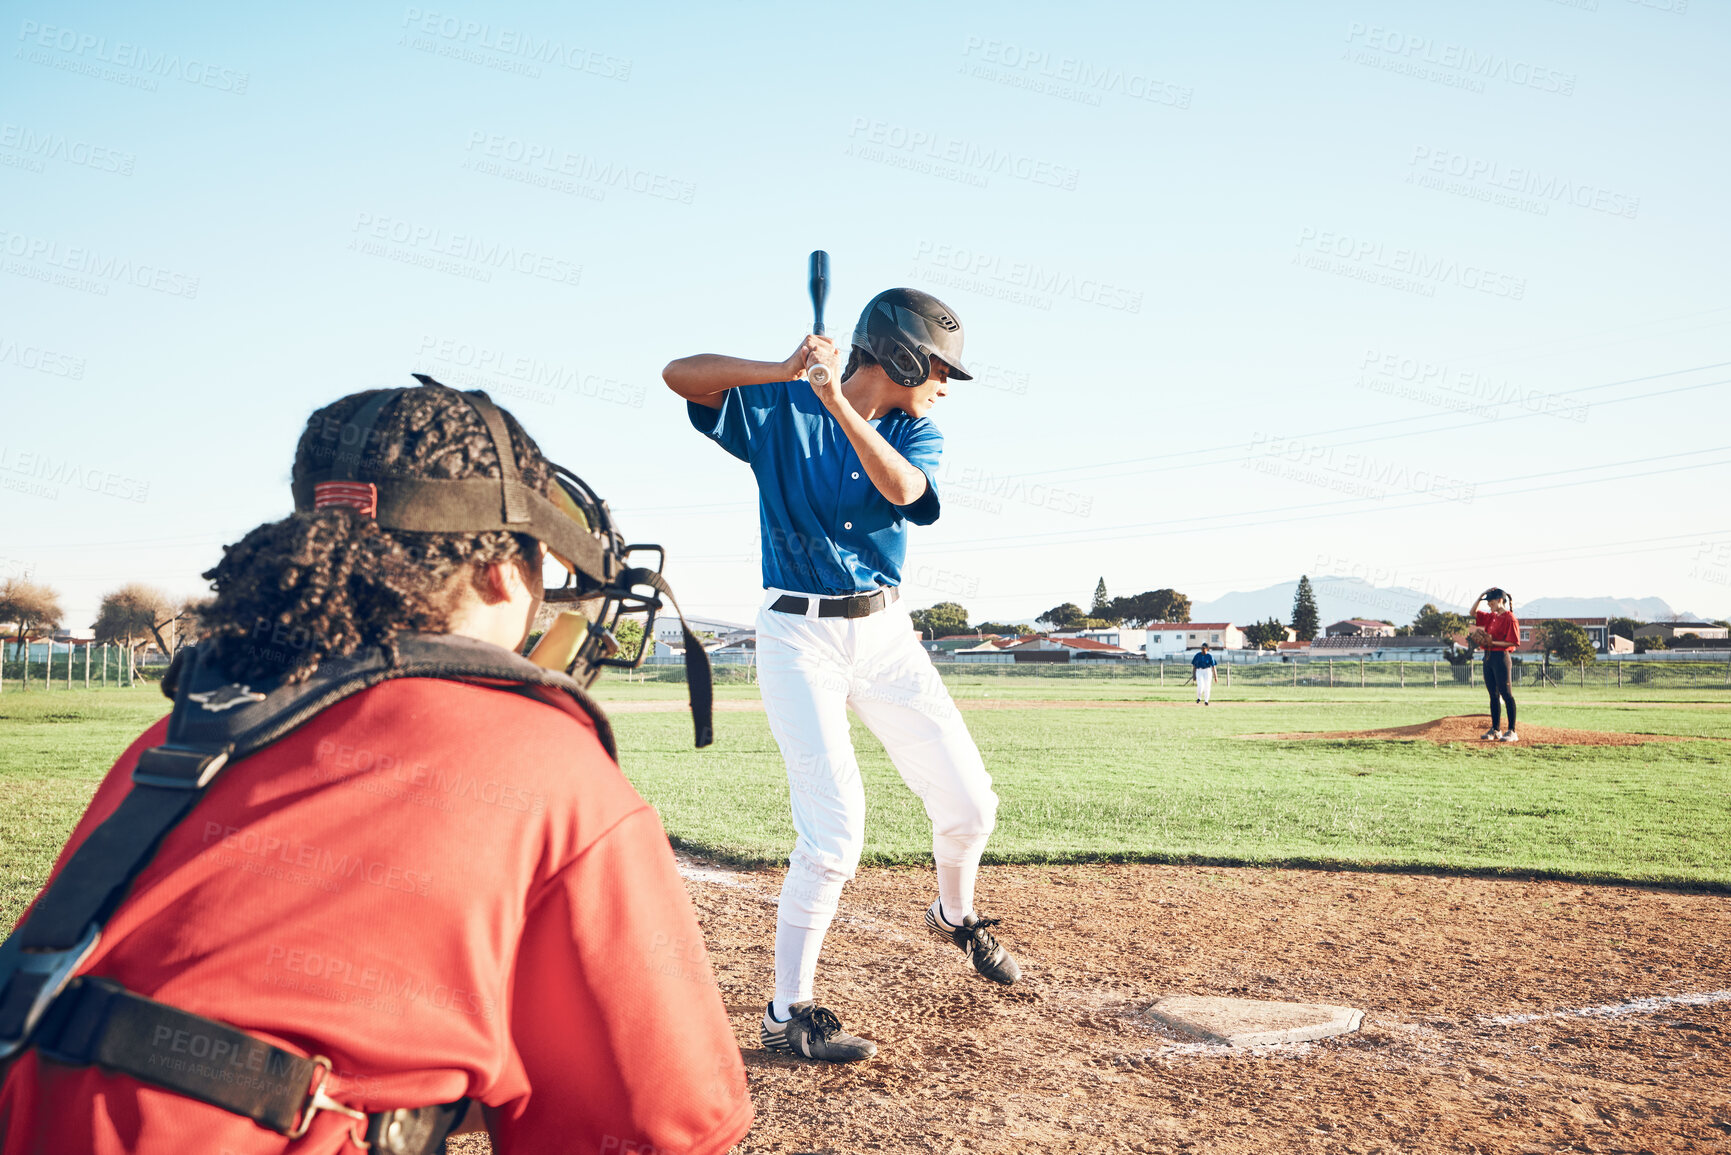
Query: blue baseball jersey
[826, 528]
[1203, 661]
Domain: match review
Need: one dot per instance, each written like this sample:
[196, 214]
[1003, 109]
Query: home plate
[1253, 1023]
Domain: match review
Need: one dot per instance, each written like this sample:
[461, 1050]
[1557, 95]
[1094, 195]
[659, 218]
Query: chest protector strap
[215, 724]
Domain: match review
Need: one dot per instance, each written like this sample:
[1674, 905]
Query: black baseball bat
[819, 374]
[819, 288]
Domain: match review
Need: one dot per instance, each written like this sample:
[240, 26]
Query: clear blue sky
[1428, 293]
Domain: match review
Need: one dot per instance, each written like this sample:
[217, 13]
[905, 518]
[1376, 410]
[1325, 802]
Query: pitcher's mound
[1469, 727]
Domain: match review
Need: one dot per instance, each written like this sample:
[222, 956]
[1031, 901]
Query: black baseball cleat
[813, 1032]
[983, 950]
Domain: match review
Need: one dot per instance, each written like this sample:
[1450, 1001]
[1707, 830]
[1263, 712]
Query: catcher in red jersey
[392, 884]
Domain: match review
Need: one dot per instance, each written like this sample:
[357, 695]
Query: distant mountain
[1337, 598]
[1646, 609]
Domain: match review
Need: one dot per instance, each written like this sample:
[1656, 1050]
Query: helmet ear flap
[909, 367]
[903, 362]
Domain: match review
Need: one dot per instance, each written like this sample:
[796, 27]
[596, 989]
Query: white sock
[796, 951]
[956, 892]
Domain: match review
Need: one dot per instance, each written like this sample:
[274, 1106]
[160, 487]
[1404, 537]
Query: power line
[1412, 432]
[1366, 425]
[1345, 500]
[1022, 539]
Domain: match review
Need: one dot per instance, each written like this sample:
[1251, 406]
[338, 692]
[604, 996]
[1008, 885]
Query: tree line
[1567, 641]
[948, 619]
[134, 615]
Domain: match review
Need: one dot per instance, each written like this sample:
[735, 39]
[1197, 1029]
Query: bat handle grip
[818, 375]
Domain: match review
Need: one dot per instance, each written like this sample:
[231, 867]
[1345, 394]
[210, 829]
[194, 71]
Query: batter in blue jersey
[842, 471]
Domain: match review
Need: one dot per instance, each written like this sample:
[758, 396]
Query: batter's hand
[822, 351]
[800, 359]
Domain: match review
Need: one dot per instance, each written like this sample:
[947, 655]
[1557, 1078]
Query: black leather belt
[858, 606]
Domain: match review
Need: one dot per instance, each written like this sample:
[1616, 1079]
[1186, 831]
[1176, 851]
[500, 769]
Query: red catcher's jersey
[448, 890]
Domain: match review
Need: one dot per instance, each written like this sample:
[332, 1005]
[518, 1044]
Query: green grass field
[1171, 783]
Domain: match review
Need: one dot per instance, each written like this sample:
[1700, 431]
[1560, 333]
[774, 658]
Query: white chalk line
[719, 876]
[1254, 1051]
[691, 870]
[1641, 1006]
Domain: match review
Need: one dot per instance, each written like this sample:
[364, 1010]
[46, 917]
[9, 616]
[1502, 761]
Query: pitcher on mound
[841, 471]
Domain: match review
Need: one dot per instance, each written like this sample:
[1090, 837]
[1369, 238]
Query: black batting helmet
[903, 329]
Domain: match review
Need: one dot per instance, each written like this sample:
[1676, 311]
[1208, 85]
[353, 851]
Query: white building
[667, 628]
[1174, 639]
[1671, 631]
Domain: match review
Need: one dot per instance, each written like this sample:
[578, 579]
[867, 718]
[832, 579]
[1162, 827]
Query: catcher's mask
[587, 559]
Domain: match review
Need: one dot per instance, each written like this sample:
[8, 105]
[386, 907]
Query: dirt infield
[1471, 727]
[1502, 1016]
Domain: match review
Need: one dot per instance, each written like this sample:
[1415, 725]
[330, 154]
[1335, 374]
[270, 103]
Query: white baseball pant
[810, 670]
[1204, 684]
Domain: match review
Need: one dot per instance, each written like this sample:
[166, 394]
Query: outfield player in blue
[1203, 664]
[842, 470]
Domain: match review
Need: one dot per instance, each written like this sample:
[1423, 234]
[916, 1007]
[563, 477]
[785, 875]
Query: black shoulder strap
[698, 678]
[352, 450]
[216, 722]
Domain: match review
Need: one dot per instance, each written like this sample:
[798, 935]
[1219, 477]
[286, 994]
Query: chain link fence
[111, 669]
[78, 666]
[1324, 673]
[1606, 674]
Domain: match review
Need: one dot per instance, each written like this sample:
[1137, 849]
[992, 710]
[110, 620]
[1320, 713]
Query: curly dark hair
[323, 584]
